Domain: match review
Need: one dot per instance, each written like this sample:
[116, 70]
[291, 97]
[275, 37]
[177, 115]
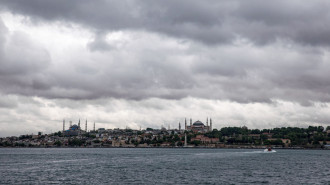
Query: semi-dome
[198, 123]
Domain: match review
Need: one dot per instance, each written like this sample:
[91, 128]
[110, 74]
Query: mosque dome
[198, 123]
[74, 127]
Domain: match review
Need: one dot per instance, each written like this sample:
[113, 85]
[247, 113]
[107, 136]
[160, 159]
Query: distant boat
[269, 149]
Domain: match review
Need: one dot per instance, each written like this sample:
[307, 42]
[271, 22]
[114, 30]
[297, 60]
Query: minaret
[70, 123]
[179, 126]
[207, 124]
[190, 123]
[79, 124]
[86, 126]
[63, 125]
[185, 124]
[185, 140]
[210, 124]
[94, 126]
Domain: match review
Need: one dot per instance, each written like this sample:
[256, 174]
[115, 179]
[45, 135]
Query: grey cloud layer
[246, 51]
[211, 22]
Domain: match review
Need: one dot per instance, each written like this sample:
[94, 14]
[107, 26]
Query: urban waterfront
[162, 166]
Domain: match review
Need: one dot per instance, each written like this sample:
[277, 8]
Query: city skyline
[148, 63]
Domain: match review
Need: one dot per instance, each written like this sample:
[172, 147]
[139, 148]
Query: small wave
[206, 154]
[253, 152]
[62, 161]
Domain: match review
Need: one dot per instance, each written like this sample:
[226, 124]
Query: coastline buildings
[197, 134]
[205, 140]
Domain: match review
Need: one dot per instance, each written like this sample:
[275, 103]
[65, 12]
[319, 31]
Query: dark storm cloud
[302, 22]
[3, 32]
[21, 62]
[211, 22]
[151, 74]
[246, 51]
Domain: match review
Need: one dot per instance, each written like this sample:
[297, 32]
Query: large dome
[198, 123]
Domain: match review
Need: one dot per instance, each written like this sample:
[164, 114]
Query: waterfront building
[205, 140]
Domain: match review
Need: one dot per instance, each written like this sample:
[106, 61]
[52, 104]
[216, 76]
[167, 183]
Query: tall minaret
[190, 123]
[185, 124]
[185, 140]
[86, 126]
[179, 126]
[63, 125]
[79, 124]
[210, 124]
[94, 126]
[70, 123]
[207, 124]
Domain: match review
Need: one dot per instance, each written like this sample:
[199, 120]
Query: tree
[263, 137]
[172, 144]
[75, 142]
[59, 133]
[231, 141]
[276, 142]
[320, 129]
[58, 143]
[316, 143]
[311, 129]
[196, 143]
[176, 138]
[255, 131]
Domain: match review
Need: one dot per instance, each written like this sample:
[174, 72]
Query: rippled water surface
[162, 166]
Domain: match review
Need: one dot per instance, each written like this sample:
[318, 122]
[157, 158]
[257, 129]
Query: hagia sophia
[198, 126]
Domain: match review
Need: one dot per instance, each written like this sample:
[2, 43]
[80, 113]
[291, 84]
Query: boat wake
[267, 151]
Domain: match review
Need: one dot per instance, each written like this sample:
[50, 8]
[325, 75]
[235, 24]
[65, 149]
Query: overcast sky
[151, 63]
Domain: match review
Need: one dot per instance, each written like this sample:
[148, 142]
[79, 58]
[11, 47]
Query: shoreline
[237, 148]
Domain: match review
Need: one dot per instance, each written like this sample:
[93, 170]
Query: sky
[153, 63]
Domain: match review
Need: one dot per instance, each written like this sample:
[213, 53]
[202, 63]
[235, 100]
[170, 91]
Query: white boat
[269, 149]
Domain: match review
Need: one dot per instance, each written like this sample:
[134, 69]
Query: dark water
[163, 166]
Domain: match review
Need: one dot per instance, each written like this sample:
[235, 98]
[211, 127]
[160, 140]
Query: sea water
[162, 166]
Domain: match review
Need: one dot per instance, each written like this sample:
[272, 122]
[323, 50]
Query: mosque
[75, 130]
[198, 126]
